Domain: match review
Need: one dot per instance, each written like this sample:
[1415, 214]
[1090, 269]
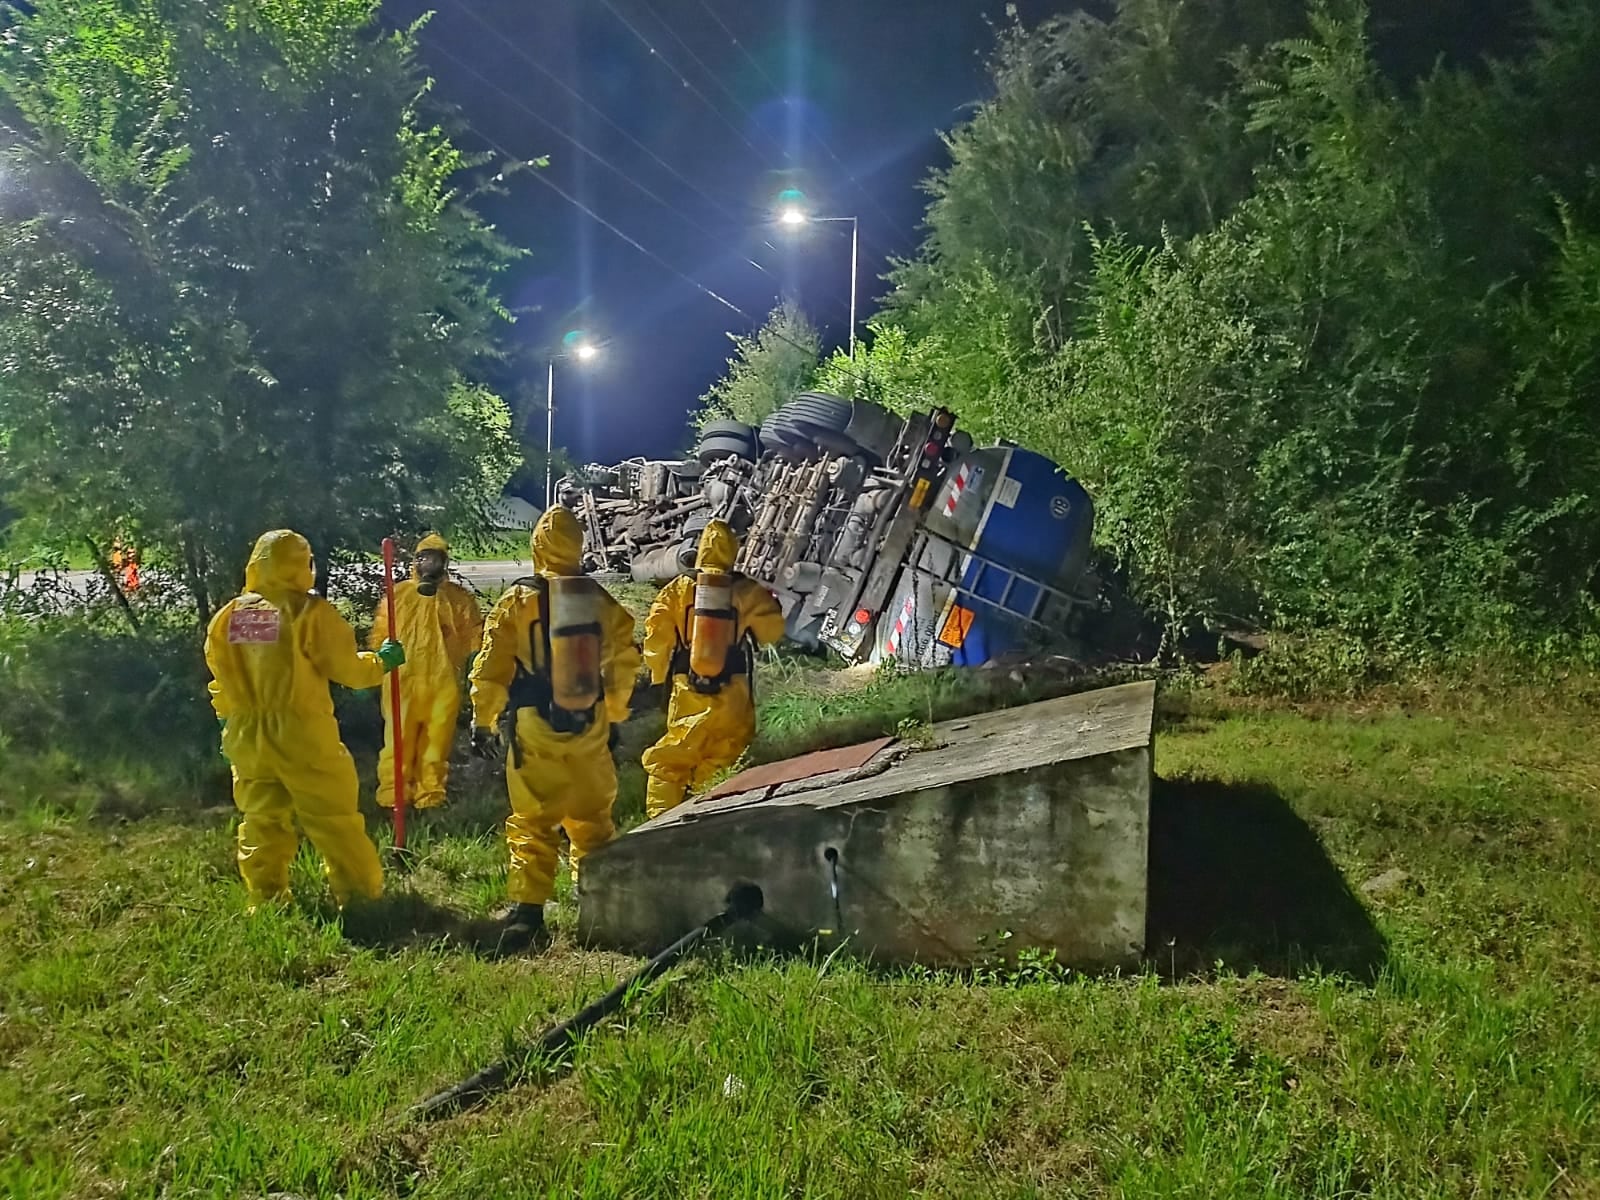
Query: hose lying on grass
[744, 901]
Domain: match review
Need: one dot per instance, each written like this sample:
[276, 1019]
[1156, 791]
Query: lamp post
[793, 217]
[583, 352]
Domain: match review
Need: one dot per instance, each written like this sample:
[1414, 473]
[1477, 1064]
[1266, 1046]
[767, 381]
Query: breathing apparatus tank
[574, 642]
[711, 636]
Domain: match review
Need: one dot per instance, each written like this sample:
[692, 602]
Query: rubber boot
[524, 930]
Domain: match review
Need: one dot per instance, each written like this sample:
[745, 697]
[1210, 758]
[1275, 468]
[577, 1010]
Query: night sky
[840, 98]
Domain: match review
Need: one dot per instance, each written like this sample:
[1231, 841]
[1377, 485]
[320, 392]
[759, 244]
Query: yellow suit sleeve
[759, 614]
[216, 640]
[496, 664]
[330, 643]
[661, 628]
[620, 665]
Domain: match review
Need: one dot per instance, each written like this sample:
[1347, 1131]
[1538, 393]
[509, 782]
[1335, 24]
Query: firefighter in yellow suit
[440, 625]
[272, 653]
[711, 716]
[557, 666]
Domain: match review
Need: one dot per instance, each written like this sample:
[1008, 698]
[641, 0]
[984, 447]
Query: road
[484, 576]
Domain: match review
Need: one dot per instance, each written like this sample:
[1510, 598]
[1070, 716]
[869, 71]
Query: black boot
[524, 930]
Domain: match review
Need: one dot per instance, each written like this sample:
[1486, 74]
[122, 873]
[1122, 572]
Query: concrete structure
[1032, 820]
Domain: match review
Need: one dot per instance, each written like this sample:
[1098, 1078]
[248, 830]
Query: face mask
[430, 573]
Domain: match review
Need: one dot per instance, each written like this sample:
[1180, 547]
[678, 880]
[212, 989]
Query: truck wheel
[715, 449]
[730, 429]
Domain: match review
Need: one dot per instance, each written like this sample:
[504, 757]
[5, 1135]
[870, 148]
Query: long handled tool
[396, 725]
[744, 901]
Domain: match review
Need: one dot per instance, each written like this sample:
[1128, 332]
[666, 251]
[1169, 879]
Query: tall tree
[239, 284]
[1132, 121]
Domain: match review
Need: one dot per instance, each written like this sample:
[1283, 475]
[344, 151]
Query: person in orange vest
[440, 625]
[125, 562]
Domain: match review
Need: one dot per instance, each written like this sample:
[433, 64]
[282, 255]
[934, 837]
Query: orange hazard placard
[956, 627]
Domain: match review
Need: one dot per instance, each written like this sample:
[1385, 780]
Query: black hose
[744, 901]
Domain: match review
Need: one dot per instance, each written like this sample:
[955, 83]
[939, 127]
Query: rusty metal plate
[791, 770]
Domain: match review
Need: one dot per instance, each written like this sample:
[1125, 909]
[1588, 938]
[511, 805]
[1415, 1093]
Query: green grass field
[1291, 1035]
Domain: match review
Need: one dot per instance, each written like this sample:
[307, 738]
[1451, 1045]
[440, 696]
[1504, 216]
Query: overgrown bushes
[1348, 392]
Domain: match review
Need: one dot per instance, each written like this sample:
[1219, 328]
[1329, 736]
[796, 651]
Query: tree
[1133, 121]
[240, 286]
[767, 368]
[1315, 330]
[891, 368]
[1303, 416]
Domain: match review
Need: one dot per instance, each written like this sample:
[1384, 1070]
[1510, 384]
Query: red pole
[396, 726]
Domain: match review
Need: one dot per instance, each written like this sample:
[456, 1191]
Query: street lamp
[793, 216]
[583, 351]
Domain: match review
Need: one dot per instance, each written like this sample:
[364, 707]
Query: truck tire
[715, 449]
[732, 429]
[827, 437]
[784, 439]
[831, 412]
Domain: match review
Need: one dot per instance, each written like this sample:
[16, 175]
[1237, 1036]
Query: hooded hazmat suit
[439, 633]
[272, 653]
[705, 732]
[563, 780]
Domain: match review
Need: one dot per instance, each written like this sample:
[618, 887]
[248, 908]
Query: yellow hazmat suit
[272, 653]
[564, 780]
[439, 633]
[705, 732]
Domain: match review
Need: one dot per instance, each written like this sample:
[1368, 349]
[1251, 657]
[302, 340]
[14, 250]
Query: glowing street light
[578, 346]
[793, 216]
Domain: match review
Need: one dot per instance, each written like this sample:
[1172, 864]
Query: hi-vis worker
[272, 653]
[440, 626]
[556, 672]
[700, 633]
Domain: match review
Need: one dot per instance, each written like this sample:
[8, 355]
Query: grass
[1290, 1035]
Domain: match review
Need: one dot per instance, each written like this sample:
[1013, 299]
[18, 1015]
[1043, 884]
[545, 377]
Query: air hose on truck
[744, 901]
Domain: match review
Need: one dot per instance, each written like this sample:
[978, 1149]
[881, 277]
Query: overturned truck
[881, 536]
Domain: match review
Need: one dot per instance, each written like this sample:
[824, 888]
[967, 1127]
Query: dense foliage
[1318, 334]
[238, 285]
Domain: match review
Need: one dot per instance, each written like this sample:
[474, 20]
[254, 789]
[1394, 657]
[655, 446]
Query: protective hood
[718, 548]
[557, 543]
[280, 564]
[431, 542]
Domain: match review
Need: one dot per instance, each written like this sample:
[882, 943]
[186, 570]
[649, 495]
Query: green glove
[391, 654]
[222, 727]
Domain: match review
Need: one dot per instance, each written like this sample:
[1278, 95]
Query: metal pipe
[549, 433]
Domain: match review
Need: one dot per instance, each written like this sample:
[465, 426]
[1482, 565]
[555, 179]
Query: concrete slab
[1032, 820]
